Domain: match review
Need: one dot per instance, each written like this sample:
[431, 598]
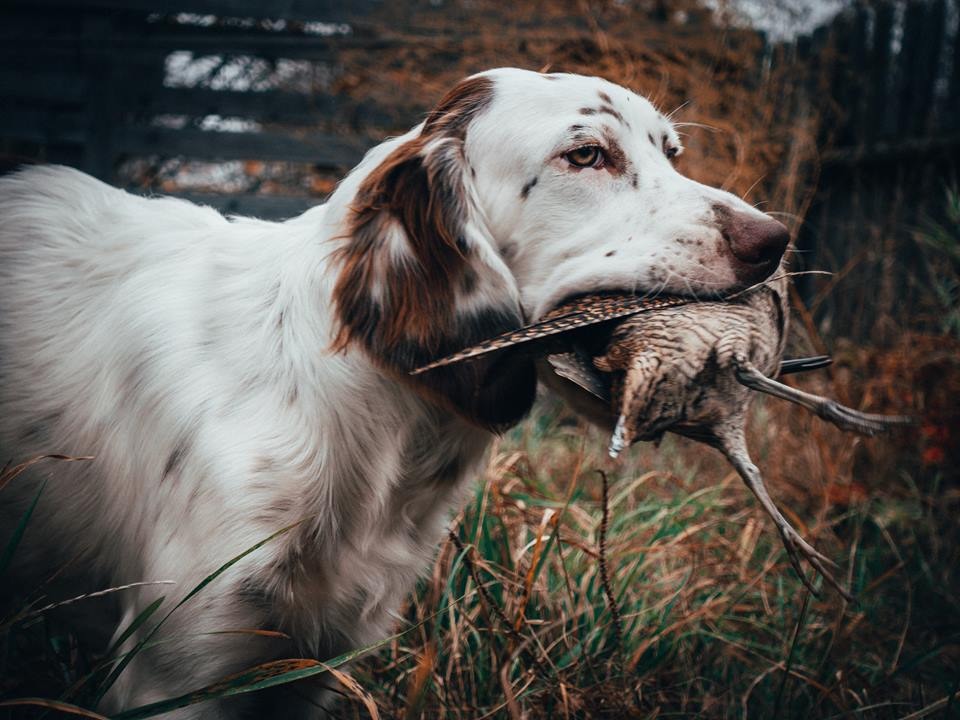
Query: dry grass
[668, 595]
[712, 622]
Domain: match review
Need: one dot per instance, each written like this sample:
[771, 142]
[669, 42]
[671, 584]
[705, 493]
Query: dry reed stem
[605, 574]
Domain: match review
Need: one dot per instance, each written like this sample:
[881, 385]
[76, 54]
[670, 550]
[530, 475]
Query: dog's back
[83, 276]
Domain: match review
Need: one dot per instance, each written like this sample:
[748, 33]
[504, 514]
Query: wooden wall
[884, 82]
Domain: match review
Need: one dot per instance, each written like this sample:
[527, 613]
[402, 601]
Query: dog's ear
[420, 277]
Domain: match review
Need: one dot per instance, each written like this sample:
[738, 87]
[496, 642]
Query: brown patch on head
[615, 154]
[407, 260]
[608, 110]
[426, 196]
[458, 108]
[469, 281]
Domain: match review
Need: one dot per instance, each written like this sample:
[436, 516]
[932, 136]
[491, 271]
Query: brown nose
[757, 241]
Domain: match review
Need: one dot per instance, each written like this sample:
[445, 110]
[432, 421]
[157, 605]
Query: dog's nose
[757, 241]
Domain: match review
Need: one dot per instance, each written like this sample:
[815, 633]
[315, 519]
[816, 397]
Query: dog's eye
[585, 156]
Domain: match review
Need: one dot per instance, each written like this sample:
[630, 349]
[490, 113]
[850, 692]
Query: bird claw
[798, 548]
[852, 420]
[618, 440]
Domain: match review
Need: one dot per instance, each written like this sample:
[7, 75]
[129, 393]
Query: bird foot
[797, 548]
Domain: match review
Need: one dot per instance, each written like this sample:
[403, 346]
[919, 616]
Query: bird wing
[581, 312]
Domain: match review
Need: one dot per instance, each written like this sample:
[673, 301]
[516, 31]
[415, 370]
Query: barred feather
[581, 312]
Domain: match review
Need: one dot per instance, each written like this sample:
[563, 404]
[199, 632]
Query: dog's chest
[386, 526]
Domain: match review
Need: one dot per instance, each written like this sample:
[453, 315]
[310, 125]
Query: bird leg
[840, 415]
[636, 388]
[731, 442]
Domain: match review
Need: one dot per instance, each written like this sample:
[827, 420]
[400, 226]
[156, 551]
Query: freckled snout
[756, 241]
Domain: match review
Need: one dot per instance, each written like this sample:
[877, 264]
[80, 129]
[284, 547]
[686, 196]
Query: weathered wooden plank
[858, 89]
[66, 87]
[928, 56]
[156, 47]
[323, 150]
[42, 127]
[267, 106]
[951, 113]
[818, 73]
[841, 83]
[885, 152]
[267, 207]
[908, 67]
[101, 108]
[878, 103]
[308, 10]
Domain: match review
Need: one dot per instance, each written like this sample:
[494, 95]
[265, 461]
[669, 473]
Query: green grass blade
[266, 675]
[17, 536]
[139, 620]
[121, 666]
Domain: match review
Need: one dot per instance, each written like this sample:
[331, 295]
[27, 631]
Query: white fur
[190, 354]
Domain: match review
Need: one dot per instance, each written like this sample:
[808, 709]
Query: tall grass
[712, 622]
[699, 614]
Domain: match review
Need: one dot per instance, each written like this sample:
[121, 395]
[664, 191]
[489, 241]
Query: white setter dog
[232, 376]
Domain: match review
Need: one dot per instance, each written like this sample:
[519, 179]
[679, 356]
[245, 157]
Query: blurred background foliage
[841, 118]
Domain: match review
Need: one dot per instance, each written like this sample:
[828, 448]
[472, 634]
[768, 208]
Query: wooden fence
[884, 80]
[83, 82]
[94, 84]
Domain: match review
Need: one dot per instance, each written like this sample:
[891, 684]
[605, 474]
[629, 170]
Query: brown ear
[416, 279]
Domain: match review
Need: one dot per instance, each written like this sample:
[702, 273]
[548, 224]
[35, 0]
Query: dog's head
[518, 191]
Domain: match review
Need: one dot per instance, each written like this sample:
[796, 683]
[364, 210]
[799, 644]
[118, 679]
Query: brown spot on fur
[605, 98]
[610, 253]
[587, 111]
[606, 109]
[469, 281]
[525, 192]
[177, 456]
[264, 464]
[635, 180]
[615, 154]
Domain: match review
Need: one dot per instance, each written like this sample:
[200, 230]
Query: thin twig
[488, 601]
[605, 576]
[501, 616]
[793, 646]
